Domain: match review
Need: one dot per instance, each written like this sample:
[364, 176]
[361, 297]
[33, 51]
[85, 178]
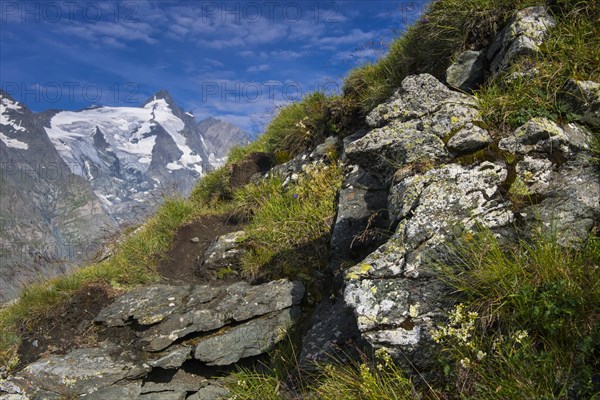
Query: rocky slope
[221, 136]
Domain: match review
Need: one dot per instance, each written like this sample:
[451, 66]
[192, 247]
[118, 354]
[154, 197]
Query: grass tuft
[530, 323]
[289, 226]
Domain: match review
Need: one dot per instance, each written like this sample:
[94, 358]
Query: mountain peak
[164, 95]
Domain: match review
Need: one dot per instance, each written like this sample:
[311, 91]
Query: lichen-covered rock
[10, 391]
[535, 175]
[246, 340]
[81, 371]
[542, 136]
[467, 72]
[583, 98]
[469, 139]
[394, 292]
[571, 204]
[414, 124]
[225, 251]
[384, 149]
[567, 187]
[418, 95]
[521, 37]
[146, 305]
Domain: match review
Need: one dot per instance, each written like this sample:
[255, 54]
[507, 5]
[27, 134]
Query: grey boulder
[82, 371]
[246, 340]
[467, 72]
[583, 98]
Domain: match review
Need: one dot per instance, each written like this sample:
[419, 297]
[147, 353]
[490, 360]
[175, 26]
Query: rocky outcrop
[435, 198]
[414, 125]
[555, 166]
[521, 37]
[168, 326]
[393, 291]
[172, 313]
[321, 155]
[223, 254]
[82, 371]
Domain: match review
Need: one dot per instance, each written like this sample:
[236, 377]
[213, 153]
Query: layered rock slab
[175, 312]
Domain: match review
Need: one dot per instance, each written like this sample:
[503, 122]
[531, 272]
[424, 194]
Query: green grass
[367, 378]
[376, 379]
[530, 323]
[295, 128]
[289, 228]
[448, 28]
[571, 50]
[212, 188]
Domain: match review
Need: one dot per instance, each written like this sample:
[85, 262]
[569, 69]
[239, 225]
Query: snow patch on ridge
[13, 143]
[5, 105]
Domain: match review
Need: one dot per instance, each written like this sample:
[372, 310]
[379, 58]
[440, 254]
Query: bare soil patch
[184, 259]
[68, 325]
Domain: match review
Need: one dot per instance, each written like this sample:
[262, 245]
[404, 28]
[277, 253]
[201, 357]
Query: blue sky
[236, 61]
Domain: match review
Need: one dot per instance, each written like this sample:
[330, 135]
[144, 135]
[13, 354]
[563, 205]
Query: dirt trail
[183, 259]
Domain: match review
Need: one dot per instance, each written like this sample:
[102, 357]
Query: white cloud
[113, 34]
[213, 63]
[355, 36]
[286, 54]
[258, 68]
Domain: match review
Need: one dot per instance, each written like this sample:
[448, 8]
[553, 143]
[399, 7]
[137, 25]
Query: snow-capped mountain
[132, 156]
[71, 177]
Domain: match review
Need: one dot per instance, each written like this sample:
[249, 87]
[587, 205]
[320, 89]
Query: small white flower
[481, 355]
[520, 335]
[465, 363]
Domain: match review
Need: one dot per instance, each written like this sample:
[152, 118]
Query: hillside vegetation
[528, 322]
